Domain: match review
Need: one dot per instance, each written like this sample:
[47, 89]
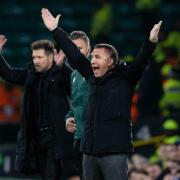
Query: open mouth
[95, 68]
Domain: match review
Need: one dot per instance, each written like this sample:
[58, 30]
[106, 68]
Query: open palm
[50, 22]
[155, 32]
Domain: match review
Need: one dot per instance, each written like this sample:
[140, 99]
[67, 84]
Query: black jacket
[107, 116]
[55, 91]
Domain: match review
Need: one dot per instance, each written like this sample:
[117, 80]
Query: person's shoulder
[121, 66]
[74, 73]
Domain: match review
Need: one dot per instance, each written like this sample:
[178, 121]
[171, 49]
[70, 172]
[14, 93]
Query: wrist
[52, 28]
[153, 40]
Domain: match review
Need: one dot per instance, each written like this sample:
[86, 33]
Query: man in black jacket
[45, 103]
[107, 136]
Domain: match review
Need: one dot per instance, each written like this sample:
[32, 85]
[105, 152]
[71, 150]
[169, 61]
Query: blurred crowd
[164, 163]
[10, 101]
[166, 168]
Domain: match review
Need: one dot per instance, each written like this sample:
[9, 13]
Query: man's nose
[92, 61]
[35, 60]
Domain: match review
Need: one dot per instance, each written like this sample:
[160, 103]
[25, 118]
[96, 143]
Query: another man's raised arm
[17, 76]
[134, 71]
[78, 60]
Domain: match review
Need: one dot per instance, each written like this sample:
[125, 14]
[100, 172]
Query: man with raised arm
[107, 136]
[41, 140]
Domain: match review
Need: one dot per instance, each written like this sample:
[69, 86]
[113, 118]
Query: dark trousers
[50, 167]
[105, 167]
[77, 156]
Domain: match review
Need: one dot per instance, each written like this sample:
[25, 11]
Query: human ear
[110, 62]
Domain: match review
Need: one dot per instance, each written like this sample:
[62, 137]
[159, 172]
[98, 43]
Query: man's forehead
[38, 51]
[79, 42]
[99, 51]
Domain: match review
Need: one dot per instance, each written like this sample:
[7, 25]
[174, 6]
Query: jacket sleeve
[76, 58]
[69, 114]
[12, 75]
[134, 71]
[67, 70]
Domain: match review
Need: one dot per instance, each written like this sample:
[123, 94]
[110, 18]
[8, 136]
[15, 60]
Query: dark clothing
[44, 103]
[76, 145]
[50, 167]
[77, 156]
[44, 120]
[38, 104]
[150, 92]
[33, 101]
[40, 108]
[107, 124]
[112, 166]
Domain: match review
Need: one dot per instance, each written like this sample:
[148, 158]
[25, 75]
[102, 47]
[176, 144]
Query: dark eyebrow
[97, 55]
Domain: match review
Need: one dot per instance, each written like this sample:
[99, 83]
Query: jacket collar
[110, 73]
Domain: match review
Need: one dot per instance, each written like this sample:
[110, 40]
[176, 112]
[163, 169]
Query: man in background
[79, 96]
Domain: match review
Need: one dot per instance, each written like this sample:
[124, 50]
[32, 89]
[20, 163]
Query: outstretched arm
[78, 60]
[17, 76]
[135, 70]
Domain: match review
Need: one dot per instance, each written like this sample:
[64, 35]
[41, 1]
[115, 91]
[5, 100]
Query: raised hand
[2, 41]
[59, 57]
[155, 32]
[50, 21]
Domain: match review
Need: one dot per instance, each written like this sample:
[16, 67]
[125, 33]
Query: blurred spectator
[169, 52]
[102, 22]
[173, 166]
[148, 9]
[138, 175]
[169, 155]
[171, 131]
[147, 4]
[173, 41]
[170, 101]
[139, 161]
[10, 98]
[134, 108]
[154, 170]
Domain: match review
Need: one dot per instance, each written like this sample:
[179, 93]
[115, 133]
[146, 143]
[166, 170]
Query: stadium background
[122, 23]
